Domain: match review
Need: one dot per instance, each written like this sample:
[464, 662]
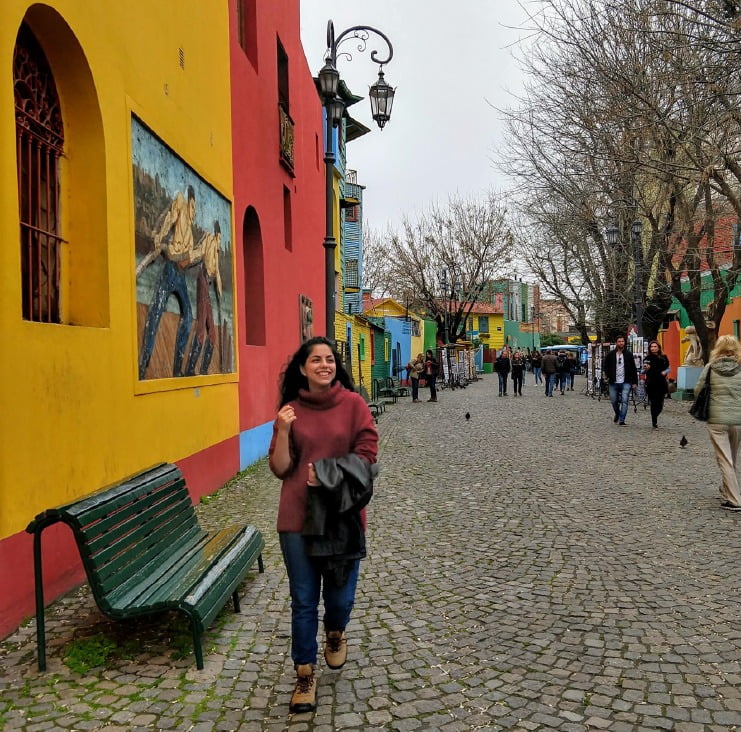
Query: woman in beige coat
[416, 367]
[724, 422]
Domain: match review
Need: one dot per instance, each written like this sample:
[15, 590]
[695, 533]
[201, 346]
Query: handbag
[700, 408]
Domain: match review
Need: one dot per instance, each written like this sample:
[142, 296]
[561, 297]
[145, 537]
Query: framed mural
[184, 264]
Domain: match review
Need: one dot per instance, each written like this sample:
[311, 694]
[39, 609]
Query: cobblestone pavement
[535, 567]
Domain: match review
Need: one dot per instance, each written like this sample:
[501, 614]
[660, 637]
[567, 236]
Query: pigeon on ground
[468, 416]
[683, 441]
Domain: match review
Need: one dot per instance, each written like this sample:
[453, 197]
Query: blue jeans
[415, 389]
[502, 382]
[619, 394]
[305, 580]
[537, 375]
[549, 381]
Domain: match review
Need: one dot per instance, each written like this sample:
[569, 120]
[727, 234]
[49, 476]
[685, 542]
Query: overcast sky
[452, 62]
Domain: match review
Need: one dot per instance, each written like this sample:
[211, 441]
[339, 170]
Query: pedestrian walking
[502, 366]
[724, 422]
[550, 371]
[563, 370]
[655, 370]
[431, 371]
[518, 371]
[573, 366]
[619, 368]
[416, 367]
[536, 360]
[322, 432]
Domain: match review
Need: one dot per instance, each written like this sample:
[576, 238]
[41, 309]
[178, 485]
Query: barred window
[351, 273]
[39, 146]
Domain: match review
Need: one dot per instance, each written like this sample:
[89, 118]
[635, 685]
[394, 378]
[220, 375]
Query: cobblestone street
[535, 567]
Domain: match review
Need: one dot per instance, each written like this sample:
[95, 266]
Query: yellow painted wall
[496, 331]
[74, 415]
[361, 329]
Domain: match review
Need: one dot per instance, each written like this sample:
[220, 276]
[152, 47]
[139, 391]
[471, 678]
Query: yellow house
[78, 77]
[406, 329]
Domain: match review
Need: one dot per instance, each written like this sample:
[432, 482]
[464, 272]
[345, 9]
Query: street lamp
[381, 98]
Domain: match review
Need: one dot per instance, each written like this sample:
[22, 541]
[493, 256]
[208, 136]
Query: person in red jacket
[319, 416]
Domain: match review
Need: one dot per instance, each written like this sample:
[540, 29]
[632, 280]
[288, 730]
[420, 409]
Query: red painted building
[278, 204]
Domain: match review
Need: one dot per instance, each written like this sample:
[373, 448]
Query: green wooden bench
[375, 407]
[395, 384]
[145, 552]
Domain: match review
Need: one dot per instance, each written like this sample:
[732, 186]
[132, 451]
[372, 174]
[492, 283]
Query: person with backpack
[431, 369]
[550, 371]
[563, 370]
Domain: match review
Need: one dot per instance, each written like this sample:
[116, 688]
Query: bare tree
[441, 261]
[376, 275]
[631, 115]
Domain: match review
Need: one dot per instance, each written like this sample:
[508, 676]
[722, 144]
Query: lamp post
[381, 98]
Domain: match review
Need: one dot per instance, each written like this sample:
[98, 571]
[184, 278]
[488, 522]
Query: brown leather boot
[304, 695]
[335, 649]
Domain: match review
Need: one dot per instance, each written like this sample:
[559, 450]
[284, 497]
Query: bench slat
[118, 521]
[166, 573]
[136, 540]
[145, 559]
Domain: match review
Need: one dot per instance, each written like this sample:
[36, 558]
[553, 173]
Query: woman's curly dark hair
[292, 380]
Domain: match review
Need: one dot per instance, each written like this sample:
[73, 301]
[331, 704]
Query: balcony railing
[286, 139]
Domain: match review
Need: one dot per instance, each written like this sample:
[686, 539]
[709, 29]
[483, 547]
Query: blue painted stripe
[254, 444]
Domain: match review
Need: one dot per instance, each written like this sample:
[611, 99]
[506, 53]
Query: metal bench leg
[197, 649]
[260, 565]
[235, 600]
[39, 587]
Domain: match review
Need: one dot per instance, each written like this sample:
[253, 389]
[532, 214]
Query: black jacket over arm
[333, 530]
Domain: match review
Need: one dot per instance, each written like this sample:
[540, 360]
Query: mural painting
[183, 251]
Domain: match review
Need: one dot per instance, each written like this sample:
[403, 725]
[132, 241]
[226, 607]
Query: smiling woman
[322, 429]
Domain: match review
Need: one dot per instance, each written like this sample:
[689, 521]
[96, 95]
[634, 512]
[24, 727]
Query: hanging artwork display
[183, 260]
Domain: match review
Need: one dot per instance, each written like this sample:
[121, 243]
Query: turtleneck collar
[323, 400]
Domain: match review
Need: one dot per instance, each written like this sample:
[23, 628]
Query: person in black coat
[502, 366]
[619, 368]
[656, 369]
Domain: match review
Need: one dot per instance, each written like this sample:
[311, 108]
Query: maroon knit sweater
[327, 425]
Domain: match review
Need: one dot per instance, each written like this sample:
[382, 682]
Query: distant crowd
[553, 369]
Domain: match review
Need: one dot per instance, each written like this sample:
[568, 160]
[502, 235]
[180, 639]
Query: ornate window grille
[39, 145]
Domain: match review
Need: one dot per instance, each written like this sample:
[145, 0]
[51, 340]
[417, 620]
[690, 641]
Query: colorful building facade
[154, 291]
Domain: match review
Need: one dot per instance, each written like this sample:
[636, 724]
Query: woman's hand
[286, 417]
[312, 479]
